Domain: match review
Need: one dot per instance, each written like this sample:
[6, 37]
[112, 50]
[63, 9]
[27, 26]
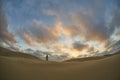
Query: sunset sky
[62, 28]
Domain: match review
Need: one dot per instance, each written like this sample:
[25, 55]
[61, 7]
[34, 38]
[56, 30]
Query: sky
[63, 29]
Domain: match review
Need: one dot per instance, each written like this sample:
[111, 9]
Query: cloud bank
[74, 28]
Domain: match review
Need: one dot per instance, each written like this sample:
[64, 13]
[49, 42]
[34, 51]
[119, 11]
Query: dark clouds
[79, 46]
[5, 35]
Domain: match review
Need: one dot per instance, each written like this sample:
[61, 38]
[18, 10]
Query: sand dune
[8, 53]
[27, 68]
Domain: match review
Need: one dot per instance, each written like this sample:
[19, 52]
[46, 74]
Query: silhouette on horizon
[47, 57]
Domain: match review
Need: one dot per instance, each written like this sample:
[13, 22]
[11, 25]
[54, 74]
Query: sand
[22, 68]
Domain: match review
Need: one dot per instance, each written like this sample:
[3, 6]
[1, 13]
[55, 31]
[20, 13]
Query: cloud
[28, 39]
[79, 46]
[61, 57]
[56, 30]
[5, 36]
[89, 25]
[52, 56]
[38, 32]
[30, 51]
[59, 47]
[13, 48]
[116, 16]
[91, 50]
[114, 46]
[35, 34]
[117, 32]
[117, 44]
[89, 30]
[90, 22]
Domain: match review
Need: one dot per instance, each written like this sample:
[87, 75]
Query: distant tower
[47, 57]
